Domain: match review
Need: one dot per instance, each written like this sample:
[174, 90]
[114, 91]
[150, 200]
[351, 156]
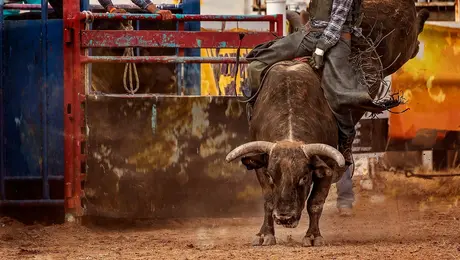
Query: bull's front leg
[266, 235]
[315, 205]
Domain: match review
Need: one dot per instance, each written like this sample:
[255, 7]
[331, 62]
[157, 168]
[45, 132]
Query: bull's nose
[283, 215]
[288, 220]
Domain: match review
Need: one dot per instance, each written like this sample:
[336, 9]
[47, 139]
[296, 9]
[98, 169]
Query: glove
[165, 14]
[114, 10]
[317, 59]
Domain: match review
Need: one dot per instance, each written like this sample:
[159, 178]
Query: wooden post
[457, 12]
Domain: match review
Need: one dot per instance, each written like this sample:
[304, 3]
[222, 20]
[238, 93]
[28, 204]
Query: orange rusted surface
[430, 83]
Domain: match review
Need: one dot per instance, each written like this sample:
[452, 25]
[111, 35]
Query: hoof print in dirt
[267, 240]
[311, 241]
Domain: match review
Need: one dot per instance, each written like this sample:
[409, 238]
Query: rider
[144, 4]
[109, 7]
[327, 38]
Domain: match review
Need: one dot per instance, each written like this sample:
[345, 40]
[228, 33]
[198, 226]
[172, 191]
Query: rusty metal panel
[430, 83]
[163, 156]
[157, 59]
[183, 17]
[172, 39]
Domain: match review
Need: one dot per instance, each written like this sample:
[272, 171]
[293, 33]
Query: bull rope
[129, 52]
[130, 67]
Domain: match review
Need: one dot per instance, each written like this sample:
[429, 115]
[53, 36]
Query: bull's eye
[303, 181]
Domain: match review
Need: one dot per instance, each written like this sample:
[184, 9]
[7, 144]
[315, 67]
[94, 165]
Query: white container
[277, 7]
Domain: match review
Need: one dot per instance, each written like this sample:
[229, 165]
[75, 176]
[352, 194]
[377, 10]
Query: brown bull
[295, 132]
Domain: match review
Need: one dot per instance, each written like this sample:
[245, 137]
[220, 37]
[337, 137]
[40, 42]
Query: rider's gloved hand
[114, 10]
[165, 14]
[317, 59]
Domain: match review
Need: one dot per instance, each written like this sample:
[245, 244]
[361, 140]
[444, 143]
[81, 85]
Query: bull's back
[291, 105]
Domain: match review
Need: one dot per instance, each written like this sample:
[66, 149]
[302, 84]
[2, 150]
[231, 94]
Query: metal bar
[184, 17]
[129, 7]
[135, 7]
[171, 39]
[25, 7]
[149, 96]
[158, 59]
[72, 87]
[279, 25]
[44, 90]
[84, 5]
[31, 202]
[146, 96]
[2, 145]
[32, 178]
[80, 79]
[138, 50]
[457, 12]
[192, 72]
[91, 7]
[181, 68]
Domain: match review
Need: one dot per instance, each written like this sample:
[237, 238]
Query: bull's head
[287, 170]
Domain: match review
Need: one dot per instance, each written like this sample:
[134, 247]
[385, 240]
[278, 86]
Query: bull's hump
[296, 68]
[291, 105]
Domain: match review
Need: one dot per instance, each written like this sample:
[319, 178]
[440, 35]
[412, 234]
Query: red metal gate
[77, 41]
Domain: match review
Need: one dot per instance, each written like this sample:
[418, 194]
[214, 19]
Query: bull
[294, 132]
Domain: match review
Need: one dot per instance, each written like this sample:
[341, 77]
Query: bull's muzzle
[288, 220]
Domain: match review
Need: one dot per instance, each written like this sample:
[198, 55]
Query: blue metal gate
[31, 111]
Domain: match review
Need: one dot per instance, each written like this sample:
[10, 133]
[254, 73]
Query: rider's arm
[107, 4]
[144, 4]
[332, 33]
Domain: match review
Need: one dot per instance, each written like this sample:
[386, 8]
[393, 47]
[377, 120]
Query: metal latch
[68, 35]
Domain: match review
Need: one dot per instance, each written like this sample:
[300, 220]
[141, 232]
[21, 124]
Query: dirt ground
[383, 226]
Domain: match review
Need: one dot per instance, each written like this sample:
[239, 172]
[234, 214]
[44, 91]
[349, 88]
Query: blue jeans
[345, 195]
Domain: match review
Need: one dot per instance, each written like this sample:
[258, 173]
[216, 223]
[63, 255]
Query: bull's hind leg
[315, 204]
[266, 235]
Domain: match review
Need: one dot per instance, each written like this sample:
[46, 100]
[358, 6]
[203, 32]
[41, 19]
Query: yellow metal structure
[218, 79]
[430, 83]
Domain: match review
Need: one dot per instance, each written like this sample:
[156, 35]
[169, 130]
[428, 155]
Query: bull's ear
[422, 16]
[304, 17]
[320, 168]
[256, 161]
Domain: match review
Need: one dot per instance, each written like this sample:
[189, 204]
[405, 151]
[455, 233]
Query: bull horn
[294, 19]
[251, 147]
[324, 150]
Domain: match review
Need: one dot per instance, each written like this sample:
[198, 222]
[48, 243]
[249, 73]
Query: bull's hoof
[264, 240]
[258, 241]
[310, 241]
[318, 241]
[307, 240]
[269, 240]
